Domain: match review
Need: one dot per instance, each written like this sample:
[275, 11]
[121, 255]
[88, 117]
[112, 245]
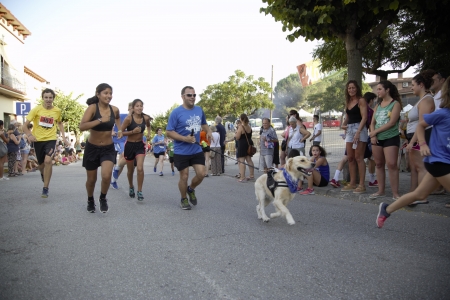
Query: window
[405, 84]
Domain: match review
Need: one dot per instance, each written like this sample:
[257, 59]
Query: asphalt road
[53, 249]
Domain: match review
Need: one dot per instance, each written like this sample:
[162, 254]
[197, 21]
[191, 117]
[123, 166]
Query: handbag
[212, 153]
[251, 150]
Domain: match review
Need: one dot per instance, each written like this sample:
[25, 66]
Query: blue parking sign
[23, 108]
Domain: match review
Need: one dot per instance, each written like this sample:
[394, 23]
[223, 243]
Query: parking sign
[23, 108]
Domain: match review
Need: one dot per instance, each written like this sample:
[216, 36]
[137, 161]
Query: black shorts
[171, 160]
[323, 182]
[206, 149]
[94, 155]
[158, 154]
[43, 149]
[78, 151]
[409, 136]
[184, 161]
[437, 169]
[393, 141]
[133, 149]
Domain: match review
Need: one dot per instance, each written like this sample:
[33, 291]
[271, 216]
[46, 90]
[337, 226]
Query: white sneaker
[4, 178]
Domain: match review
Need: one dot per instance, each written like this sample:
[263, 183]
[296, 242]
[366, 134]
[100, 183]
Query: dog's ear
[289, 164]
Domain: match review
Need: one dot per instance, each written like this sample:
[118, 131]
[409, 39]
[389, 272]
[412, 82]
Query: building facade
[404, 88]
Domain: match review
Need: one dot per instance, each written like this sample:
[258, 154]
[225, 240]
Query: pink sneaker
[373, 184]
[307, 192]
[335, 183]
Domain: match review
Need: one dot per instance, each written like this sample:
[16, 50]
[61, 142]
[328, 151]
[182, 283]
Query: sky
[151, 49]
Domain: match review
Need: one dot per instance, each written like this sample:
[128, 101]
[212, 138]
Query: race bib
[46, 122]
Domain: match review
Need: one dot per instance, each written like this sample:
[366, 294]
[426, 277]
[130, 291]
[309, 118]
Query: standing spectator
[285, 136]
[437, 158]
[159, 150]
[99, 118]
[385, 137]
[206, 150]
[420, 86]
[78, 148]
[183, 127]
[268, 137]
[370, 99]
[297, 136]
[356, 136]
[223, 134]
[244, 137]
[4, 139]
[134, 152]
[321, 173]
[216, 161]
[13, 149]
[316, 138]
[438, 80]
[44, 118]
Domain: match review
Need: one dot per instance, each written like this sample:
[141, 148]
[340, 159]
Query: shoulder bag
[251, 150]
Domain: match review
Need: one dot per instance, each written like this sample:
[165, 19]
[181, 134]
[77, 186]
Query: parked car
[277, 124]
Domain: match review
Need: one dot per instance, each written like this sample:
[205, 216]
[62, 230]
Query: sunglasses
[191, 95]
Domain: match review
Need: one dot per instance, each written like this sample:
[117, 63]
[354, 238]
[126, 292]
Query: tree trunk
[354, 59]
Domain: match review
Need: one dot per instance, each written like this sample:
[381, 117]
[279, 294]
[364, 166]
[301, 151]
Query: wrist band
[119, 130]
[422, 144]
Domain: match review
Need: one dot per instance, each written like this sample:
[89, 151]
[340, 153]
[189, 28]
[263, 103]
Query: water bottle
[355, 145]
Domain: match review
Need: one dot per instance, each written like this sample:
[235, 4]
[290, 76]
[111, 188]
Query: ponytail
[98, 90]
[92, 100]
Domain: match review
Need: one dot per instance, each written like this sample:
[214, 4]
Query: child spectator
[321, 174]
[65, 159]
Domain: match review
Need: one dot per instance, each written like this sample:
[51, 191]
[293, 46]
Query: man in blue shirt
[223, 134]
[184, 125]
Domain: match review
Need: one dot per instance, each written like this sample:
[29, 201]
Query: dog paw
[266, 219]
[291, 223]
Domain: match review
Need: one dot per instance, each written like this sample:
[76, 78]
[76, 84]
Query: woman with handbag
[216, 161]
[13, 149]
[3, 150]
[244, 137]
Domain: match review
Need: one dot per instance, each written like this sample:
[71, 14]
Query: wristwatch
[100, 119]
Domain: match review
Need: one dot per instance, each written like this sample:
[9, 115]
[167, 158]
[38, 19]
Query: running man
[44, 118]
[183, 128]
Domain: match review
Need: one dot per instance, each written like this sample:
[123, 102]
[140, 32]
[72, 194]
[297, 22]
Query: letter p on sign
[23, 108]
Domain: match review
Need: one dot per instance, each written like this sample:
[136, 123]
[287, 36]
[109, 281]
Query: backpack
[22, 143]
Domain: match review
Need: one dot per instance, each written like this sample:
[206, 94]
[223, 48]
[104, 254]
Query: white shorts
[351, 131]
[266, 161]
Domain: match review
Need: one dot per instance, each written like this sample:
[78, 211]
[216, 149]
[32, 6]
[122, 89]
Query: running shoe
[154, 169]
[91, 206]
[115, 173]
[103, 205]
[140, 196]
[185, 204]
[114, 185]
[382, 214]
[173, 173]
[44, 193]
[161, 174]
[373, 184]
[191, 194]
[335, 183]
[131, 193]
[4, 178]
[308, 191]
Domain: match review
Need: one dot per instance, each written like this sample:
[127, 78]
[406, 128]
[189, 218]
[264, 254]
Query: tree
[71, 111]
[288, 93]
[356, 23]
[161, 120]
[240, 94]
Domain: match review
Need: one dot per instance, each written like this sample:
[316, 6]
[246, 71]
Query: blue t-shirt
[161, 147]
[440, 136]
[182, 121]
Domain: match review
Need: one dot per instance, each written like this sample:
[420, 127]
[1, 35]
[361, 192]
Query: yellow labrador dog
[282, 188]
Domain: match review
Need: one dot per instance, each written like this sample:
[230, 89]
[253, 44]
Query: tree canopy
[353, 23]
[239, 94]
[288, 94]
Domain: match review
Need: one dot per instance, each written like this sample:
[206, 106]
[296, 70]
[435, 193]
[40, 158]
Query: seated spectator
[65, 159]
[32, 162]
[321, 174]
[57, 158]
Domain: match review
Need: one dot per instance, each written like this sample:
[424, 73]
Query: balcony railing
[10, 79]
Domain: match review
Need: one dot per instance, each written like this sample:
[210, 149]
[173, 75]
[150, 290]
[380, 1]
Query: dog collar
[290, 182]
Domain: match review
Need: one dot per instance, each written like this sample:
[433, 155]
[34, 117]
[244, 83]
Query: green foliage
[288, 94]
[71, 111]
[161, 120]
[240, 94]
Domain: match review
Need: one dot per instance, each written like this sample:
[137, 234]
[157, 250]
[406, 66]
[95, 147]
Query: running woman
[437, 157]
[135, 146]
[44, 118]
[99, 118]
[159, 149]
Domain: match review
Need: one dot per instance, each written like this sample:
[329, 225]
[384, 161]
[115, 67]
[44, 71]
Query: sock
[372, 177]
[102, 196]
[336, 175]
[91, 198]
[189, 189]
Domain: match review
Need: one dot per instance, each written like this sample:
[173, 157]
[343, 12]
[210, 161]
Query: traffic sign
[23, 108]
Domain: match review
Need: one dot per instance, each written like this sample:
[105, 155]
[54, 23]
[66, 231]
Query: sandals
[375, 196]
[237, 176]
[243, 180]
[251, 178]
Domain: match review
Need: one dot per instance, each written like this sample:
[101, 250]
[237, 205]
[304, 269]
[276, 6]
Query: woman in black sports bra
[135, 124]
[99, 118]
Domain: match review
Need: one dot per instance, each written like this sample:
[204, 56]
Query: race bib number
[46, 122]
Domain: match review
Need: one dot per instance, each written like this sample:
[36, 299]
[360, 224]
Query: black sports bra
[133, 124]
[104, 126]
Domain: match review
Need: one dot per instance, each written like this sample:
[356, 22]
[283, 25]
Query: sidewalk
[435, 205]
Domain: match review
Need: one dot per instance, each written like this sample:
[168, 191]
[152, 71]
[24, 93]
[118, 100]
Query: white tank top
[413, 116]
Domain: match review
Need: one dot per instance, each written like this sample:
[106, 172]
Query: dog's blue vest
[272, 184]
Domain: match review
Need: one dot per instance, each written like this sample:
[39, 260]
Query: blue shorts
[120, 147]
